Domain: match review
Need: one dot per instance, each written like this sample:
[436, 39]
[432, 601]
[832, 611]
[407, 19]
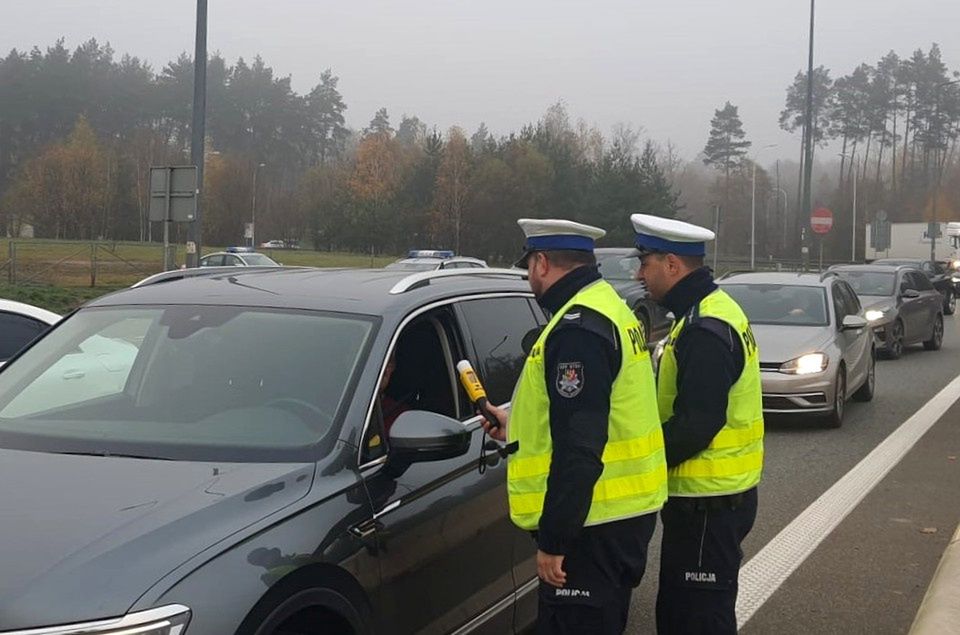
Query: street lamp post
[781, 214]
[253, 206]
[855, 158]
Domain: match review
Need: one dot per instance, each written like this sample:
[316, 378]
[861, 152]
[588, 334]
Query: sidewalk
[940, 611]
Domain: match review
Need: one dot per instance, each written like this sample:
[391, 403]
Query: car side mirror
[418, 436]
[910, 293]
[853, 323]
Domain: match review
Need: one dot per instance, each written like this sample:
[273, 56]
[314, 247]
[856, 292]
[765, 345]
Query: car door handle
[367, 528]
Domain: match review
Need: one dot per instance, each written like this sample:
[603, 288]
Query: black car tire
[310, 601]
[866, 391]
[835, 418]
[936, 337]
[894, 347]
[949, 302]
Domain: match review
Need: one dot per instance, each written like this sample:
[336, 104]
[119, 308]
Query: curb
[940, 611]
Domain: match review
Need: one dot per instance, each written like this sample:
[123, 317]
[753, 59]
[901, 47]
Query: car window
[231, 261]
[618, 267]
[839, 305]
[184, 382]
[793, 305]
[496, 327]
[907, 281]
[849, 298]
[16, 331]
[923, 283]
[875, 283]
[422, 377]
[215, 260]
[259, 260]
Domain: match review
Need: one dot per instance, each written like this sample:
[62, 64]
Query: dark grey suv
[278, 452]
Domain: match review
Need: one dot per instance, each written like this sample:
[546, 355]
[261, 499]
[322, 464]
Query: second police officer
[589, 474]
[710, 401]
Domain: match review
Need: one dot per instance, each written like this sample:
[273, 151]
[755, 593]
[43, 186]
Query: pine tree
[380, 124]
[325, 109]
[727, 144]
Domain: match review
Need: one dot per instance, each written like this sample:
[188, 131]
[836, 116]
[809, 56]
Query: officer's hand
[550, 569]
[500, 431]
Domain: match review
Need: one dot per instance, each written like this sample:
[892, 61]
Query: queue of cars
[819, 334]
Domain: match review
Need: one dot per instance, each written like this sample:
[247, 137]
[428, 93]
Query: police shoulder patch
[569, 379]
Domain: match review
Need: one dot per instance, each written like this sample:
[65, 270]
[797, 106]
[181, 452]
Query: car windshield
[790, 305]
[878, 283]
[259, 260]
[618, 267]
[413, 266]
[185, 382]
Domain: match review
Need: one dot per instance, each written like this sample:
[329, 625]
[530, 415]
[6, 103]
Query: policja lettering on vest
[710, 402]
[589, 473]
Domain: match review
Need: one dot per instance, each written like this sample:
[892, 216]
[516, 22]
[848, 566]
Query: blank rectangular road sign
[173, 190]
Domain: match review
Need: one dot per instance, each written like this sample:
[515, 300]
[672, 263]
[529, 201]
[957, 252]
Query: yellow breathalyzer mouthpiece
[470, 382]
[476, 393]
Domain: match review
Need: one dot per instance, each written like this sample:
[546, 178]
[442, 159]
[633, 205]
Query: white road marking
[780, 557]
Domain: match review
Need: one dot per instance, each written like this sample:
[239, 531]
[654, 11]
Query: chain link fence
[81, 264]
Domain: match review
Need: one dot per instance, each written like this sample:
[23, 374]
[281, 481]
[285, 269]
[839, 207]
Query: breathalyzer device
[475, 391]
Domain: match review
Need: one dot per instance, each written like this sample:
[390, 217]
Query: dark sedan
[618, 266]
[935, 272]
[272, 452]
[899, 302]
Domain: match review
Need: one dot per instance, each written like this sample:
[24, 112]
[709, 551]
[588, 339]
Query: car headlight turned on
[805, 364]
[873, 315]
[166, 620]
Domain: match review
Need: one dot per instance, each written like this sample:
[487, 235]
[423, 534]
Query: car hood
[778, 344]
[84, 536]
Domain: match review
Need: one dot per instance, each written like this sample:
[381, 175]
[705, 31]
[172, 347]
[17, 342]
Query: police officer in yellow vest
[589, 474]
[709, 396]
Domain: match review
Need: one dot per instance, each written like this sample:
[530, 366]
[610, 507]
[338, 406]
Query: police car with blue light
[238, 257]
[434, 259]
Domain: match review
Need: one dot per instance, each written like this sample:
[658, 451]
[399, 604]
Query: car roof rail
[423, 278]
[200, 272]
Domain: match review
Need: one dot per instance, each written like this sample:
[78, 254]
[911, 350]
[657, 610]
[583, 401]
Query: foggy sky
[663, 66]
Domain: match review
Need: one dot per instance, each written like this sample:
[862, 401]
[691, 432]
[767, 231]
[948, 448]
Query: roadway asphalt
[869, 575]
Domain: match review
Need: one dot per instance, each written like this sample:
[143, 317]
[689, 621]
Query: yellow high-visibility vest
[733, 461]
[634, 477]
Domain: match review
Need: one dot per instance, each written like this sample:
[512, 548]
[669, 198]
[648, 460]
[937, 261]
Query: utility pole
[753, 218]
[253, 206]
[853, 232]
[808, 131]
[198, 130]
[716, 236]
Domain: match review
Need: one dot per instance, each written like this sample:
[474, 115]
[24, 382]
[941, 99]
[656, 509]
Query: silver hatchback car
[816, 349]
